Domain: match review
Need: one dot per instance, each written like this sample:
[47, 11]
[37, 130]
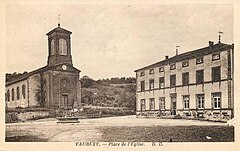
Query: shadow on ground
[26, 138]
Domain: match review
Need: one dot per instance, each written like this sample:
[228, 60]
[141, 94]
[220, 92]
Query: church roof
[189, 55]
[59, 30]
[39, 70]
[25, 76]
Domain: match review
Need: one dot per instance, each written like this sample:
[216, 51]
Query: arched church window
[62, 47]
[12, 94]
[24, 91]
[18, 93]
[52, 47]
[8, 95]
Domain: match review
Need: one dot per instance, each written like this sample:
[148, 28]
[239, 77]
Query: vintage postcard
[119, 75]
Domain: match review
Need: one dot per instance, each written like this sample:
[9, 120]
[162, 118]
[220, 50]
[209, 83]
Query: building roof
[59, 30]
[25, 76]
[189, 55]
[39, 70]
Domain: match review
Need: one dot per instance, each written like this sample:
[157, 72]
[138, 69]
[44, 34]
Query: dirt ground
[101, 129]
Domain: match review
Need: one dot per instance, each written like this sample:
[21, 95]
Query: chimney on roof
[166, 57]
[177, 50]
[211, 44]
[219, 36]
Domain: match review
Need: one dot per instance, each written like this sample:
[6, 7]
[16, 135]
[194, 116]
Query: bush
[11, 117]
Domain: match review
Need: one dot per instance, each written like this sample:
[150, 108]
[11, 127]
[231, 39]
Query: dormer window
[151, 71]
[172, 66]
[199, 60]
[161, 69]
[142, 73]
[185, 63]
[215, 56]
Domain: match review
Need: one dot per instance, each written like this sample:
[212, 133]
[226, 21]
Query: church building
[54, 86]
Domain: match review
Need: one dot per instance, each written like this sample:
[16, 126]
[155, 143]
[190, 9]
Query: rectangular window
[142, 73]
[185, 64]
[172, 66]
[151, 84]
[151, 104]
[199, 60]
[161, 82]
[151, 71]
[161, 69]
[216, 100]
[143, 106]
[216, 74]
[186, 102]
[199, 76]
[142, 85]
[200, 101]
[215, 56]
[162, 103]
[185, 79]
[172, 80]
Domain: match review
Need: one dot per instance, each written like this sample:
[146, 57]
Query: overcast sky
[113, 40]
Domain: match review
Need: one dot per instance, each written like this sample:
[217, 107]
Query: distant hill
[114, 92]
[118, 80]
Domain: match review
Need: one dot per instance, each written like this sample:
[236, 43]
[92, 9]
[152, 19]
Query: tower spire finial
[59, 19]
[219, 36]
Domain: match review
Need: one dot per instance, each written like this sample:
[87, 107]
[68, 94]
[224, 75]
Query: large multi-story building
[195, 84]
[54, 86]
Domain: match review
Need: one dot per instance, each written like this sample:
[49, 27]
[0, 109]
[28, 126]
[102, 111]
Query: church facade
[54, 86]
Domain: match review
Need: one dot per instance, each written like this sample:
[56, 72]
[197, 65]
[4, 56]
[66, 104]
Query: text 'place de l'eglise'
[197, 84]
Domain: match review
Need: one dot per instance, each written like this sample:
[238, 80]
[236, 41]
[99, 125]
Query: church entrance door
[64, 100]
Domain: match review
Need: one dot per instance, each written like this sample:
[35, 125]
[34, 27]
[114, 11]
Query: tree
[88, 83]
[40, 92]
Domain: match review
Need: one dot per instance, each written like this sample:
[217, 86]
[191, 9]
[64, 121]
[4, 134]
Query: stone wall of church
[64, 89]
[46, 89]
[12, 100]
[34, 90]
[23, 93]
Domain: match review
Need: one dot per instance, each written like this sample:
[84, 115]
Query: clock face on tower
[64, 67]
[62, 47]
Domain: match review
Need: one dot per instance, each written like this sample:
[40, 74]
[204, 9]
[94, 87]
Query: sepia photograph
[119, 74]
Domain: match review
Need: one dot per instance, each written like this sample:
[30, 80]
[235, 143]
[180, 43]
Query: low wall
[33, 115]
[209, 115]
[23, 116]
[94, 111]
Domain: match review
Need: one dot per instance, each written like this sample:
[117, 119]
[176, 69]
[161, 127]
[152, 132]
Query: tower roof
[59, 30]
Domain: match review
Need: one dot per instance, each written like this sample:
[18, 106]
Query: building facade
[196, 84]
[54, 86]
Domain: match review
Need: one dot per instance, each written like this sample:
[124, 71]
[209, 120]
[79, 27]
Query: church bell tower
[59, 46]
